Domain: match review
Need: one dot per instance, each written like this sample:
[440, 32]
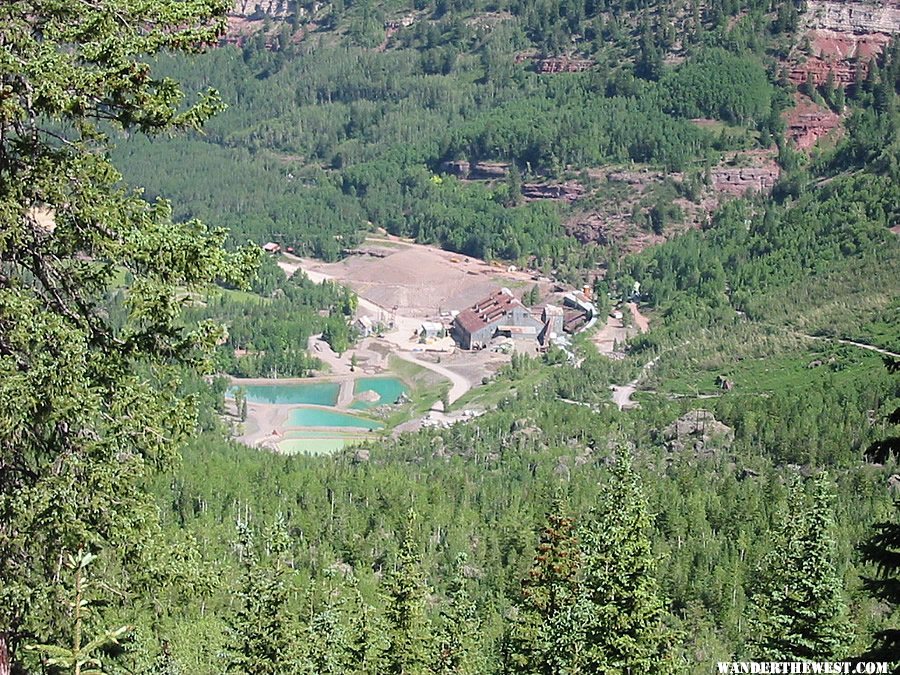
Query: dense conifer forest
[555, 533]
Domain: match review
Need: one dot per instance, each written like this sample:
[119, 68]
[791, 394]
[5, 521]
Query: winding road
[621, 394]
[853, 343]
[460, 385]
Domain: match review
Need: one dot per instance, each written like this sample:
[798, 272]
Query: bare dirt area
[416, 281]
[808, 122]
[610, 339]
[399, 284]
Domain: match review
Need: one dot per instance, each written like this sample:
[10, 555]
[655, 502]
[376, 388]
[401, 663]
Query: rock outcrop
[738, 180]
[562, 64]
[567, 191]
[260, 9]
[839, 37]
[853, 17]
[808, 122]
[699, 431]
[476, 170]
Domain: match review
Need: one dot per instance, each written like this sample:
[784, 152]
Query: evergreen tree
[882, 551]
[620, 600]
[263, 630]
[458, 636]
[80, 431]
[513, 186]
[410, 648]
[327, 641]
[544, 636]
[367, 633]
[884, 449]
[798, 611]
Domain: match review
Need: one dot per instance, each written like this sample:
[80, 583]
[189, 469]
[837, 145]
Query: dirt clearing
[419, 281]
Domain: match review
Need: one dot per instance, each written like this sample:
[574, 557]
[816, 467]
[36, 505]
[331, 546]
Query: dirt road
[621, 394]
[639, 319]
[853, 343]
[460, 385]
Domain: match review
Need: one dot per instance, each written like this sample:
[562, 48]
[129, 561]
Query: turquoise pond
[322, 417]
[388, 389]
[312, 393]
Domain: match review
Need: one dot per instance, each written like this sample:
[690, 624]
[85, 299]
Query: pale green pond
[312, 393]
[322, 417]
[323, 430]
[388, 389]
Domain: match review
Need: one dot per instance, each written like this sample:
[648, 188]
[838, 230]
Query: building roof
[553, 310]
[485, 312]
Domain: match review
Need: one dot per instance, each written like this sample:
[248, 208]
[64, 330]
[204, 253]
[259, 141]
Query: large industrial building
[500, 313]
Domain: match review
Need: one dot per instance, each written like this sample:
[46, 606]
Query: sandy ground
[265, 425]
[400, 277]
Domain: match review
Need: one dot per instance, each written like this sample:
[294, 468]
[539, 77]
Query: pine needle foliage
[798, 612]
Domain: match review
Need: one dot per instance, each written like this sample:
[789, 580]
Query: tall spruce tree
[327, 642]
[544, 635]
[411, 641]
[798, 611]
[882, 551]
[620, 601]
[90, 407]
[367, 633]
[263, 631]
[458, 638]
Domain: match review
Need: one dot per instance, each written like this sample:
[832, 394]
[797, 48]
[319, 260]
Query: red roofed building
[475, 326]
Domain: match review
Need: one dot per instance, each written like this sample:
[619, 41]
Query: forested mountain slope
[554, 533]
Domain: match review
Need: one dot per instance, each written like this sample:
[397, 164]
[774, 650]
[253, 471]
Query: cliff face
[840, 36]
[248, 17]
[858, 18]
[260, 9]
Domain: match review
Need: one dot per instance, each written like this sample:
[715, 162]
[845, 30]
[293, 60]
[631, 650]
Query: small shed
[364, 326]
[429, 330]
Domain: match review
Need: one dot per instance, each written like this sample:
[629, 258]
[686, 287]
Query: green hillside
[744, 510]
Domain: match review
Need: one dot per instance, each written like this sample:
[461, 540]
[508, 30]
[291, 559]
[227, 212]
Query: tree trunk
[5, 665]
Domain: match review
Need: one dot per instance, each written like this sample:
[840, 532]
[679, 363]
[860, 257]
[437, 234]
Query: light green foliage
[409, 631]
[620, 601]
[264, 633]
[717, 84]
[798, 611]
[268, 334]
[91, 405]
